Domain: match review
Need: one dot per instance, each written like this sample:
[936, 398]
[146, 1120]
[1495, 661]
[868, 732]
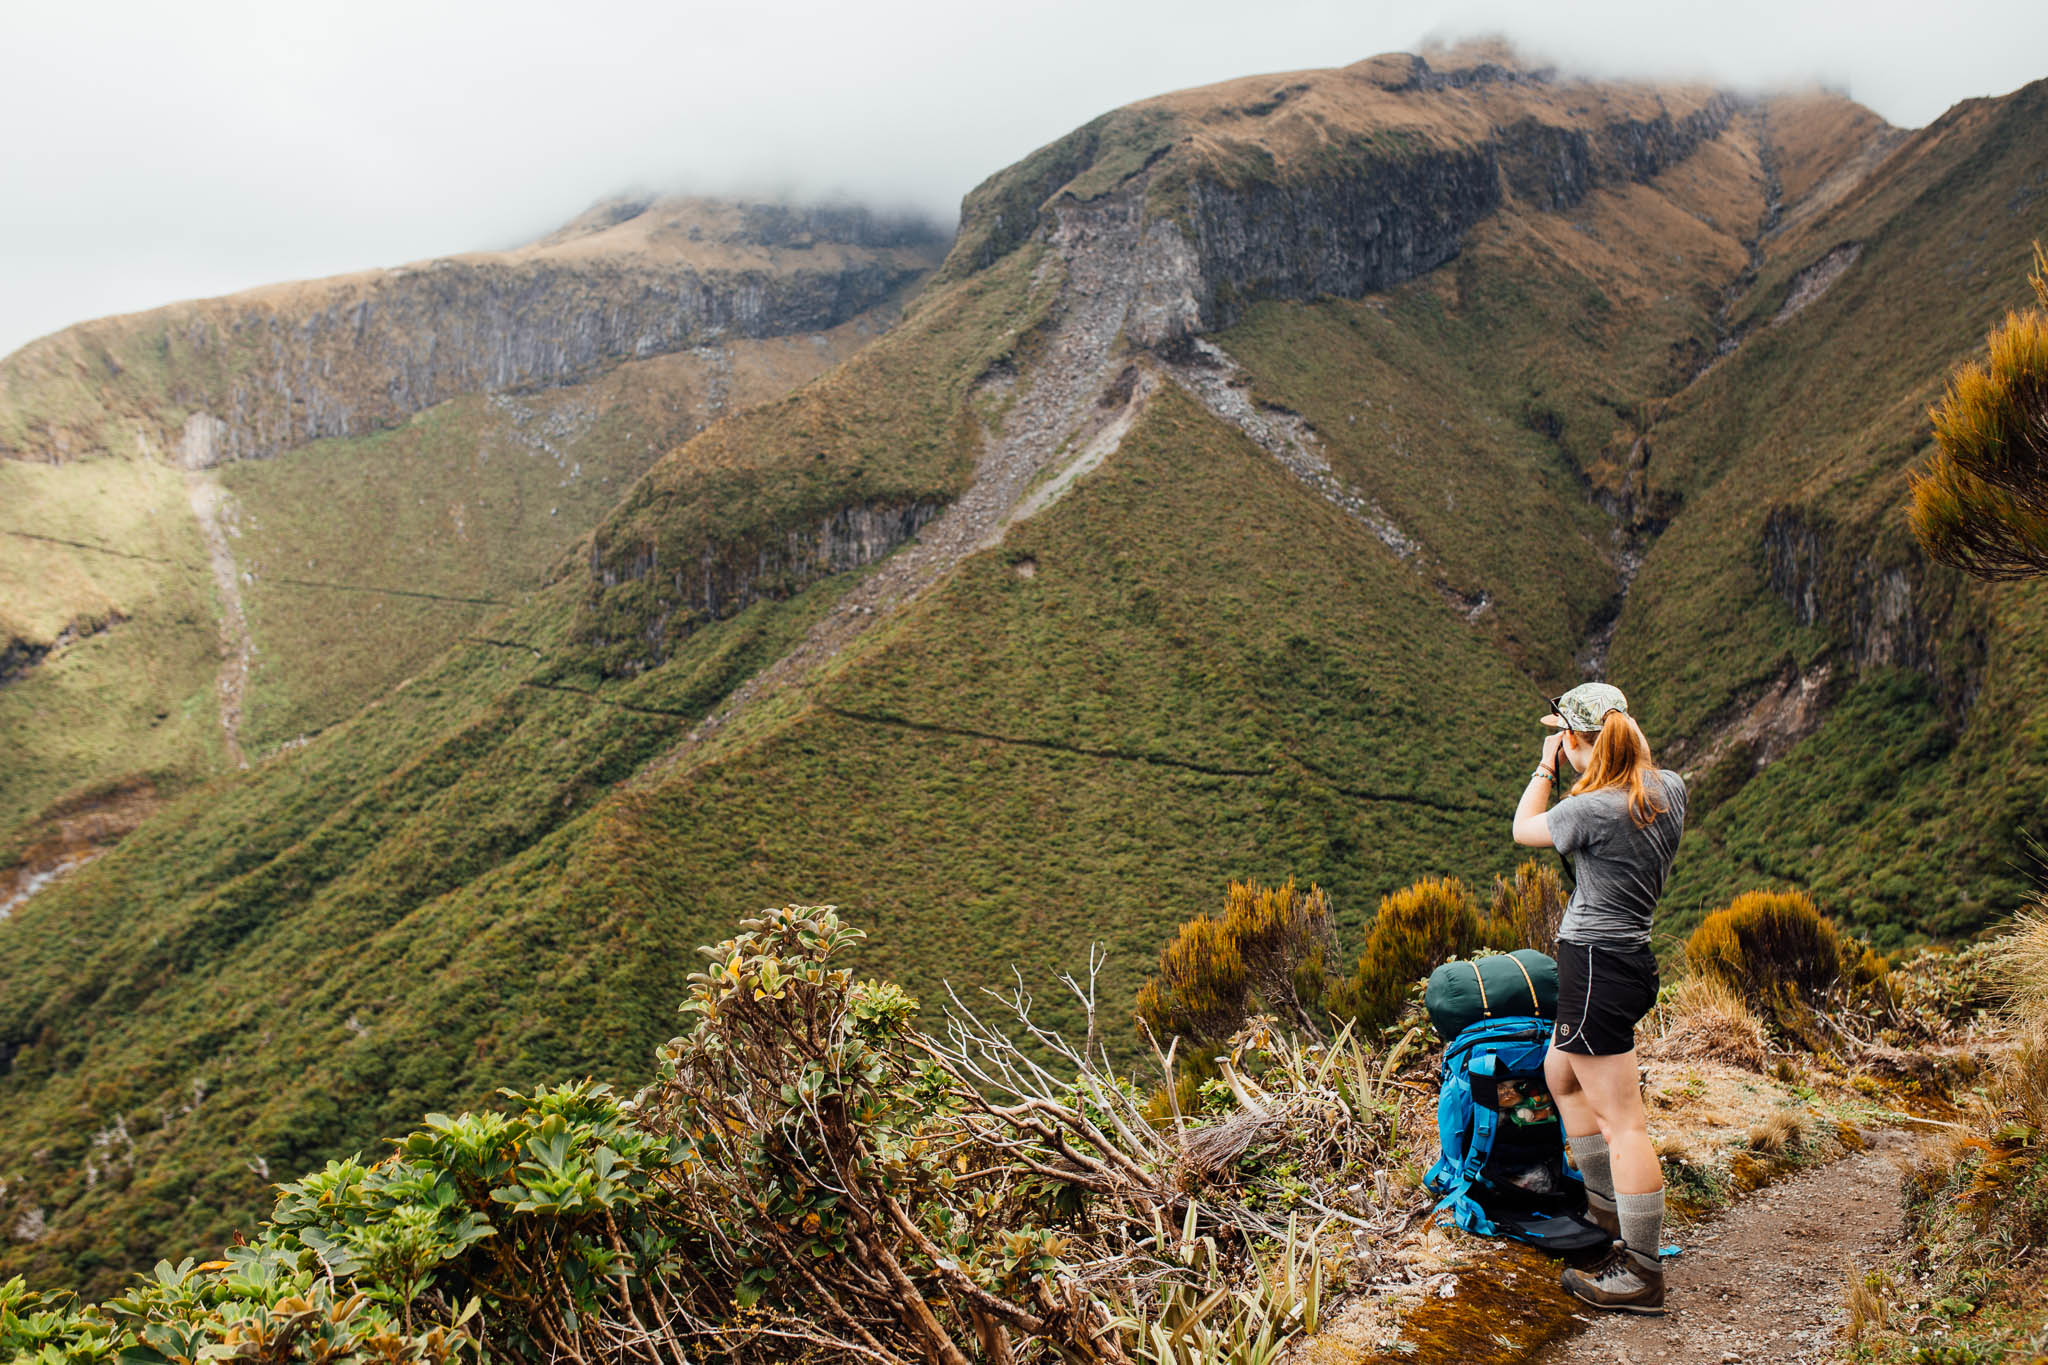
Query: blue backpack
[1502, 1172]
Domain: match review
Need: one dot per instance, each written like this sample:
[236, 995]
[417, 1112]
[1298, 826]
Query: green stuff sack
[1460, 994]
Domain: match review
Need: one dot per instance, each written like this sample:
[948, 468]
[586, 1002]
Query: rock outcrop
[255, 374]
[1337, 182]
[1886, 611]
[665, 604]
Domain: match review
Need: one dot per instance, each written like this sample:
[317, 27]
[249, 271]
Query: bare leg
[1610, 1087]
[1572, 1105]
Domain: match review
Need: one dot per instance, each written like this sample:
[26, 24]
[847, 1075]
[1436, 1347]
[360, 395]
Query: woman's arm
[1532, 826]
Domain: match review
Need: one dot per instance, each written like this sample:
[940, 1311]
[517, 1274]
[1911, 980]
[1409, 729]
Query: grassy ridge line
[351, 354]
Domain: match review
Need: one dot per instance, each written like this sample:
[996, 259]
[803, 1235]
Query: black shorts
[1601, 993]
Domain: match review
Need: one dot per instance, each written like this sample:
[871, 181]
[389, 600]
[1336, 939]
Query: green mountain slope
[1790, 563]
[1224, 507]
[226, 524]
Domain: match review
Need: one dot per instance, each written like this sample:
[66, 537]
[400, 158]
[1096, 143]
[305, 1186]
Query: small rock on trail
[1764, 1283]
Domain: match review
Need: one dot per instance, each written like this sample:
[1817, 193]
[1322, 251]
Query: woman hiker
[1620, 826]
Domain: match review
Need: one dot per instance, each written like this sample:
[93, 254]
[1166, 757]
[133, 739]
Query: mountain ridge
[249, 515]
[1279, 599]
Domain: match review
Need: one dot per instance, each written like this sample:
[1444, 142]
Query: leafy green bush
[259, 1304]
[808, 1175]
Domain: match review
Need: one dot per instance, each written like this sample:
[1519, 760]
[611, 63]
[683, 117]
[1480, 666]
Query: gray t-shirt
[1619, 868]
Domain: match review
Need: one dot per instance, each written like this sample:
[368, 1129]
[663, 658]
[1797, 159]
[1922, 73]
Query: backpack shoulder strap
[1466, 1130]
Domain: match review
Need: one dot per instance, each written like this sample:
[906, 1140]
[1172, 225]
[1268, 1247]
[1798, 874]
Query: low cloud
[165, 152]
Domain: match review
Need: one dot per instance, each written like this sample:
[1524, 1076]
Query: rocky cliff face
[1397, 172]
[1375, 219]
[635, 630]
[252, 375]
[1886, 611]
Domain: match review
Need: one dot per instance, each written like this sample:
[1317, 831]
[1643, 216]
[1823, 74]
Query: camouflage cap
[1586, 706]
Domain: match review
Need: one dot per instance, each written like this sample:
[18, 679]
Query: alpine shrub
[1782, 956]
[1982, 504]
[1527, 910]
[1430, 922]
[1262, 955]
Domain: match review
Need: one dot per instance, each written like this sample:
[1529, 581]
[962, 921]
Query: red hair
[1621, 758]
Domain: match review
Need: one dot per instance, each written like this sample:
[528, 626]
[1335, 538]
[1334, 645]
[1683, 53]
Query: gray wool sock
[1589, 1154]
[1642, 1223]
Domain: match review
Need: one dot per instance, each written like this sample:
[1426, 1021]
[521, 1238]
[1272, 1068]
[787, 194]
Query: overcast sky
[155, 151]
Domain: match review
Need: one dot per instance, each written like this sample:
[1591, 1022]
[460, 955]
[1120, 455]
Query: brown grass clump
[1676, 1147]
[1706, 1019]
[1864, 1299]
[2019, 965]
[2020, 962]
[2021, 1084]
[1778, 1134]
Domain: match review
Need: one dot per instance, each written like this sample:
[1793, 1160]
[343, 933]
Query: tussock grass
[1863, 1298]
[2021, 958]
[2021, 1081]
[1708, 1019]
[1778, 1134]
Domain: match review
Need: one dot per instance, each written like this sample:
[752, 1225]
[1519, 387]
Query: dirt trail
[1765, 1281]
[208, 501]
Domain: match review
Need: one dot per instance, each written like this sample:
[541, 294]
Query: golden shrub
[1527, 910]
[1263, 954]
[1982, 504]
[1418, 927]
[1778, 952]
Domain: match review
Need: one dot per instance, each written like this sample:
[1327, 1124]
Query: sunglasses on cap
[1557, 709]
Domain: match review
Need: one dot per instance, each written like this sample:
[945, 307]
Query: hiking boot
[1624, 1282]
